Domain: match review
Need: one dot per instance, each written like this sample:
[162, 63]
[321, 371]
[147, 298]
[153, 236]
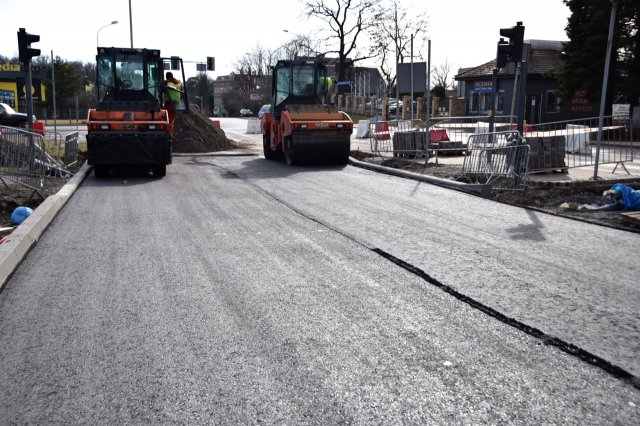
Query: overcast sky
[463, 33]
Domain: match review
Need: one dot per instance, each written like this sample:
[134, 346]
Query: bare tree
[442, 76]
[301, 46]
[391, 37]
[253, 73]
[348, 20]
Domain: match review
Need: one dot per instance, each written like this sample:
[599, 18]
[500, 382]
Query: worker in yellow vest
[326, 88]
[172, 95]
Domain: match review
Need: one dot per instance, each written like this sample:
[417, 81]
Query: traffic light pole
[522, 90]
[28, 97]
[26, 52]
[494, 96]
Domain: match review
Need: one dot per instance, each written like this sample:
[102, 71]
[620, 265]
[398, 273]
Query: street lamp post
[105, 26]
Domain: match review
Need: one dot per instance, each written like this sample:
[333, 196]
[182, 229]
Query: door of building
[532, 115]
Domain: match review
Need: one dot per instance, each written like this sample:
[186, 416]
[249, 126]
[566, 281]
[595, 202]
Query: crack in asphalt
[564, 346]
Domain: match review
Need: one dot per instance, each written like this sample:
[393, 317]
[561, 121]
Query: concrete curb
[19, 242]
[460, 186]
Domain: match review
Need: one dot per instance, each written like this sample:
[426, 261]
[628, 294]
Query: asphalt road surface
[237, 290]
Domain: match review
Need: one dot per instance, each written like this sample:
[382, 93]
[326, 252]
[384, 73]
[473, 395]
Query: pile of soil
[194, 132]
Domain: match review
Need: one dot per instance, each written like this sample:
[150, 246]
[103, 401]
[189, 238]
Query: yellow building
[12, 85]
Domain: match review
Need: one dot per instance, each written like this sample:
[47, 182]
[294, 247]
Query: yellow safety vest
[173, 92]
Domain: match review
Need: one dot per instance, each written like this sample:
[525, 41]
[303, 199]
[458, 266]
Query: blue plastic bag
[20, 214]
[630, 196]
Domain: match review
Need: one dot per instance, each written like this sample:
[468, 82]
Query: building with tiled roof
[542, 102]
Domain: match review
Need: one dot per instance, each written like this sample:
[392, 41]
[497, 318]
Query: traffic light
[211, 63]
[175, 63]
[24, 46]
[516, 38]
[503, 54]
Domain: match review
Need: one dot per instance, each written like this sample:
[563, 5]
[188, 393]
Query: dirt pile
[196, 133]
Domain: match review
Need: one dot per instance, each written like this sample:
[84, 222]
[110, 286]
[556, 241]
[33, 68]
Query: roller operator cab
[302, 125]
[131, 126]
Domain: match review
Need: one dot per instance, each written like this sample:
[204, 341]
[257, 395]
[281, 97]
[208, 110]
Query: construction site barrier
[571, 144]
[253, 126]
[499, 159]
[24, 159]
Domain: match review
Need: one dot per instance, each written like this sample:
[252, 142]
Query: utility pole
[130, 25]
[605, 80]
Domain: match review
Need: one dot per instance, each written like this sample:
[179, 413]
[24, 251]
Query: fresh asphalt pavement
[238, 290]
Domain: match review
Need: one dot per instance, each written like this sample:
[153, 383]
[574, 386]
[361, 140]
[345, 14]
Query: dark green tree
[439, 91]
[71, 84]
[583, 61]
[200, 91]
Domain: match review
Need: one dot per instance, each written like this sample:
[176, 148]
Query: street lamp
[98, 33]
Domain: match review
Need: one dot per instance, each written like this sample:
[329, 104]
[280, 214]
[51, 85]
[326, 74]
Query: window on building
[500, 101]
[475, 102]
[485, 101]
[461, 89]
[553, 101]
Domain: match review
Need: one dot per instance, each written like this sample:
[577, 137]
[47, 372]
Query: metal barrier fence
[64, 149]
[455, 131]
[71, 148]
[447, 135]
[402, 138]
[499, 159]
[569, 144]
[24, 158]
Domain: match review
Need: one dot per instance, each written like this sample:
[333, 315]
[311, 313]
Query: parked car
[9, 117]
[264, 108]
[244, 112]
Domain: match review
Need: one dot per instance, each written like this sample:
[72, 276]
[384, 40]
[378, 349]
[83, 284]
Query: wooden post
[385, 108]
[405, 107]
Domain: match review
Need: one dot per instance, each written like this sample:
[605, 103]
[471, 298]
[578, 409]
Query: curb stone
[447, 183]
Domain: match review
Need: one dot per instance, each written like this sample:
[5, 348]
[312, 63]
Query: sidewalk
[612, 172]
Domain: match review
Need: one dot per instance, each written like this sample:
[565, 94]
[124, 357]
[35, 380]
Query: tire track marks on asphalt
[545, 338]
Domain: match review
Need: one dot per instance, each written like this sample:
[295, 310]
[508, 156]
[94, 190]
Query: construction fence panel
[399, 138]
[70, 148]
[499, 159]
[22, 157]
[451, 134]
[570, 144]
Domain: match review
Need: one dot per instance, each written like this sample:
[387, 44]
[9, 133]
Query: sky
[463, 33]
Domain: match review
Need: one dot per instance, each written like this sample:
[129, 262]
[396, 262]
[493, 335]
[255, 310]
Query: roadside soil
[14, 195]
[540, 198]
